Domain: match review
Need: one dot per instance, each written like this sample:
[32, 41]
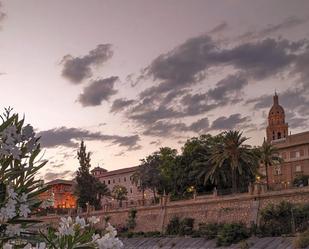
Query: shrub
[209, 231]
[131, 223]
[276, 219]
[302, 241]
[232, 233]
[186, 226]
[284, 218]
[180, 227]
[173, 226]
[153, 234]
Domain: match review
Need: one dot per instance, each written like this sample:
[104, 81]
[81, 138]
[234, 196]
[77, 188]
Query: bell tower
[277, 128]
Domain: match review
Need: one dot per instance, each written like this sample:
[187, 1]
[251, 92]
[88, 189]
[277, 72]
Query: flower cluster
[11, 139]
[69, 229]
[15, 205]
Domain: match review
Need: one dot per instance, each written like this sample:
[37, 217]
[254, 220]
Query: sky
[130, 77]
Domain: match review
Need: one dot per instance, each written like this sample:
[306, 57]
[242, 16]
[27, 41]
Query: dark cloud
[76, 69]
[177, 71]
[229, 85]
[69, 137]
[98, 91]
[202, 125]
[219, 28]
[49, 176]
[228, 123]
[121, 104]
[288, 23]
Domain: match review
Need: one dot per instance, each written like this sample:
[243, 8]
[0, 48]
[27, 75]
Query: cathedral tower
[277, 128]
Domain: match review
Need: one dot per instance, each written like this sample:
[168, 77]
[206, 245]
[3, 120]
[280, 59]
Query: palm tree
[120, 193]
[269, 156]
[232, 153]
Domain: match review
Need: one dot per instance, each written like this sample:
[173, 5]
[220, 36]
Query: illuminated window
[297, 154]
[298, 168]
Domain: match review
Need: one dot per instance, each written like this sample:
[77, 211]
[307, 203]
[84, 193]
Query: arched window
[279, 135]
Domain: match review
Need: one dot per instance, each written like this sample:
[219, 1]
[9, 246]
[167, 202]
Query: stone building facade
[122, 177]
[293, 149]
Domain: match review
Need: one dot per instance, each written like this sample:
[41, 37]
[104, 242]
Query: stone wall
[205, 209]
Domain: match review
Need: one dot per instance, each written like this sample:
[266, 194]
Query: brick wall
[207, 209]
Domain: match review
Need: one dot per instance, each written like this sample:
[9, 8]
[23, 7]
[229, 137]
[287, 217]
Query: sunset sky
[131, 76]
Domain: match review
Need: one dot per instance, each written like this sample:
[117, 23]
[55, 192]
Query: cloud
[69, 137]
[287, 23]
[201, 125]
[219, 28]
[121, 104]
[98, 91]
[2, 14]
[49, 176]
[76, 69]
[228, 123]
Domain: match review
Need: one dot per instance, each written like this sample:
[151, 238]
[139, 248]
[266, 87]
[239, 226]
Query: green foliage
[268, 155]
[131, 223]
[232, 233]
[209, 230]
[301, 181]
[302, 240]
[182, 227]
[89, 189]
[19, 164]
[280, 219]
[120, 193]
[173, 226]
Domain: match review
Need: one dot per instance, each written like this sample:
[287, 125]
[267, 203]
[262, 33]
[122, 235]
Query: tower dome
[277, 128]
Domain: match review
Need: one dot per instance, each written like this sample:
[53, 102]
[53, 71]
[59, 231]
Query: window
[297, 154]
[277, 170]
[119, 180]
[125, 179]
[131, 190]
[109, 182]
[292, 154]
[113, 180]
[104, 181]
[298, 168]
[283, 155]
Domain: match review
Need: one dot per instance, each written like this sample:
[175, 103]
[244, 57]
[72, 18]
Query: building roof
[292, 140]
[60, 181]
[98, 169]
[119, 171]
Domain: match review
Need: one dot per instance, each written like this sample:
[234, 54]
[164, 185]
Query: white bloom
[24, 210]
[80, 221]
[66, 226]
[28, 131]
[94, 220]
[7, 246]
[111, 230]
[12, 230]
[23, 197]
[11, 193]
[109, 243]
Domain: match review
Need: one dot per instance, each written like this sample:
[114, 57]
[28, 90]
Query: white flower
[80, 221]
[11, 193]
[7, 246]
[66, 226]
[111, 230]
[109, 243]
[23, 197]
[93, 220]
[12, 230]
[24, 210]
[28, 131]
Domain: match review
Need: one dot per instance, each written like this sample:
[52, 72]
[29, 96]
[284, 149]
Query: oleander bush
[182, 227]
[209, 230]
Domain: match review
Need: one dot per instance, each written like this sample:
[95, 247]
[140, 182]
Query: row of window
[293, 154]
[114, 181]
[278, 171]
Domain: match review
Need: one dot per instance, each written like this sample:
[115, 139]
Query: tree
[235, 155]
[120, 193]
[269, 156]
[88, 189]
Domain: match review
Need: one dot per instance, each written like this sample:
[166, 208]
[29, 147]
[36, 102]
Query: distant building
[61, 193]
[121, 177]
[293, 149]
